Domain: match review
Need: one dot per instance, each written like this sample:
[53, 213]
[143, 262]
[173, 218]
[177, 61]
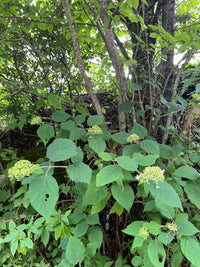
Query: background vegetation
[99, 133]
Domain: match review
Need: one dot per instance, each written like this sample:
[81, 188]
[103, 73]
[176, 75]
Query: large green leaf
[165, 238]
[95, 120]
[43, 194]
[79, 172]
[77, 133]
[133, 228]
[95, 236]
[54, 101]
[61, 149]
[94, 194]
[108, 175]
[185, 227]
[187, 172]
[75, 251]
[150, 146]
[97, 143]
[192, 188]
[165, 151]
[60, 116]
[127, 163]
[166, 210]
[124, 195]
[126, 106]
[156, 253]
[81, 229]
[145, 160]
[140, 130]
[45, 132]
[165, 193]
[190, 248]
[120, 137]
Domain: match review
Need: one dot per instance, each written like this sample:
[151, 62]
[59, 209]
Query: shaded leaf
[74, 251]
[61, 149]
[43, 194]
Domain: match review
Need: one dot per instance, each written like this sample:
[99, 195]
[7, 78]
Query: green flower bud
[21, 169]
[144, 232]
[36, 120]
[133, 138]
[95, 130]
[154, 174]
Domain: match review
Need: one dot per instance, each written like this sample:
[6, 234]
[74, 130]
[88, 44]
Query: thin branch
[46, 22]
[88, 84]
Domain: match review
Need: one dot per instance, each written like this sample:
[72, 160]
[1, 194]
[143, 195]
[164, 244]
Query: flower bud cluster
[21, 169]
[95, 130]
[172, 227]
[144, 232]
[152, 173]
[133, 138]
[36, 120]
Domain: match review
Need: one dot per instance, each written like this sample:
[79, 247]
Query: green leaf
[124, 195]
[54, 100]
[93, 219]
[156, 253]
[43, 194]
[165, 151]
[79, 119]
[77, 133]
[95, 236]
[165, 238]
[107, 156]
[150, 146]
[120, 137]
[137, 261]
[13, 246]
[166, 210]
[100, 205]
[137, 243]
[127, 163]
[165, 193]
[153, 227]
[190, 248]
[140, 130]
[188, 82]
[185, 227]
[133, 85]
[97, 143]
[145, 160]
[106, 23]
[95, 120]
[187, 172]
[126, 106]
[60, 116]
[192, 189]
[177, 258]
[117, 208]
[108, 175]
[79, 172]
[133, 228]
[61, 149]
[80, 229]
[99, 193]
[45, 132]
[68, 125]
[45, 236]
[74, 251]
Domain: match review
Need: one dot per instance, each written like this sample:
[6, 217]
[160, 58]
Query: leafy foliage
[109, 185]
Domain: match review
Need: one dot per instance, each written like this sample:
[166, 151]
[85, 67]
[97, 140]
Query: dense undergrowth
[96, 197]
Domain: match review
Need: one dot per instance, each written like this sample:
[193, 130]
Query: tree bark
[88, 84]
[116, 62]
